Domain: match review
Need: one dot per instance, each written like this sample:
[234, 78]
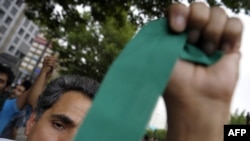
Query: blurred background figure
[20, 118]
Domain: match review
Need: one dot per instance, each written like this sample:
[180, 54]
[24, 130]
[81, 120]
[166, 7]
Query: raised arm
[42, 79]
[33, 93]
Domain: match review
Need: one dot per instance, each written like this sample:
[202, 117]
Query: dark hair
[57, 87]
[7, 70]
[248, 118]
[26, 84]
[146, 138]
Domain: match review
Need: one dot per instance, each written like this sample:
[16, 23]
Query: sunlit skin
[198, 97]
[61, 121]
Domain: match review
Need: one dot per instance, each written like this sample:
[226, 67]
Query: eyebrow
[65, 119]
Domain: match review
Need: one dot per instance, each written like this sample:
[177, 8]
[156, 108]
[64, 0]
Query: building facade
[32, 62]
[16, 31]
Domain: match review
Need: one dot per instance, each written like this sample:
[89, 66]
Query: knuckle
[198, 5]
[236, 24]
[178, 7]
[197, 18]
[218, 11]
[233, 30]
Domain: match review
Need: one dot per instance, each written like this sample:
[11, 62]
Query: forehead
[72, 104]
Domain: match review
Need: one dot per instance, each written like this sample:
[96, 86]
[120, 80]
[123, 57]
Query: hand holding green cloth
[134, 82]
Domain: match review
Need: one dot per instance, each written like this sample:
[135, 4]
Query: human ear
[30, 123]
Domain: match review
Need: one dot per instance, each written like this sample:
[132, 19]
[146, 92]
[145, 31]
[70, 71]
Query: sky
[241, 98]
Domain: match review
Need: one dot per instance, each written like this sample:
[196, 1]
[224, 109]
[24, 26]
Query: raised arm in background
[33, 93]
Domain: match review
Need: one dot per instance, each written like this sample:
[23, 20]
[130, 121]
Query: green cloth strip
[134, 82]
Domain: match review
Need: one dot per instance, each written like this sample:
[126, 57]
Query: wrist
[195, 130]
[192, 121]
[43, 72]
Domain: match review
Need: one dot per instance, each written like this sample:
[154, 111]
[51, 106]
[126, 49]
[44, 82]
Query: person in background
[6, 79]
[15, 105]
[10, 131]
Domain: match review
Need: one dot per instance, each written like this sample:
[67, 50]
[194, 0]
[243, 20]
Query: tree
[238, 118]
[94, 37]
[159, 134]
[101, 8]
[150, 133]
[248, 119]
[91, 48]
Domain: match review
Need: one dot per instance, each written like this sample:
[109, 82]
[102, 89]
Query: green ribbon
[134, 82]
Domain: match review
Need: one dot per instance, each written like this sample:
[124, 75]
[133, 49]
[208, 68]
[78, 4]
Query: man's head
[6, 77]
[61, 109]
[20, 88]
[145, 138]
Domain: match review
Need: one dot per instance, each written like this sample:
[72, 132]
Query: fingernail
[180, 20]
[209, 47]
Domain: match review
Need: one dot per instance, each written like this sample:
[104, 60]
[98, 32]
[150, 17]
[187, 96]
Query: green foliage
[238, 118]
[44, 10]
[150, 133]
[94, 37]
[159, 134]
[248, 118]
[91, 48]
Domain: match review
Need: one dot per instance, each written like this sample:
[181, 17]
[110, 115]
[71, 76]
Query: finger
[214, 30]
[51, 63]
[45, 58]
[52, 59]
[177, 15]
[197, 20]
[231, 39]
